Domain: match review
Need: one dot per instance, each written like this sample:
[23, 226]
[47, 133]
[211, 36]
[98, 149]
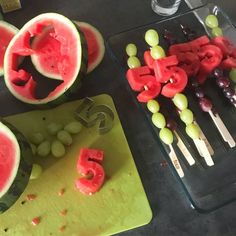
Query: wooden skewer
[188, 156]
[204, 138]
[204, 148]
[175, 161]
[200, 144]
[222, 129]
[234, 97]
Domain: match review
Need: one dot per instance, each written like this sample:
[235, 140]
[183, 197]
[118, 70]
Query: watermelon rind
[21, 170]
[12, 29]
[100, 41]
[80, 71]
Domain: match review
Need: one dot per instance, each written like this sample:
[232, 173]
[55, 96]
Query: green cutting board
[121, 204]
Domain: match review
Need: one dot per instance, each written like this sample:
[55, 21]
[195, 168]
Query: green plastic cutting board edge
[120, 205]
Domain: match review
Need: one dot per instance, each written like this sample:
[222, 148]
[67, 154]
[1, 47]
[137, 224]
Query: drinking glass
[165, 7]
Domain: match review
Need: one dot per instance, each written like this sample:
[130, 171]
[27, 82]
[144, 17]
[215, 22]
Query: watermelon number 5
[89, 165]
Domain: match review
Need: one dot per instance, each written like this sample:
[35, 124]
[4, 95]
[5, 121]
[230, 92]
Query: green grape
[211, 21]
[158, 120]
[43, 149]
[53, 128]
[33, 148]
[64, 137]
[58, 149]
[232, 75]
[73, 127]
[153, 106]
[36, 171]
[186, 116]
[131, 49]
[166, 136]
[133, 62]
[180, 101]
[216, 32]
[37, 138]
[152, 37]
[192, 131]
[157, 52]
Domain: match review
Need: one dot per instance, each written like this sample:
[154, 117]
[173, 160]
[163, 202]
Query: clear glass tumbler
[165, 7]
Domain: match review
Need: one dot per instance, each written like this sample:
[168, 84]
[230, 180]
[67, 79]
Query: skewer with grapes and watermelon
[200, 58]
[162, 75]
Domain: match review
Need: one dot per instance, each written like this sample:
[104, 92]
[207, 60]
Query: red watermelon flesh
[7, 32]
[95, 42]
[9, 159]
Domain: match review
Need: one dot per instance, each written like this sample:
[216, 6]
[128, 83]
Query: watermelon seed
[62, 228]
[61, 192]
[63, 212]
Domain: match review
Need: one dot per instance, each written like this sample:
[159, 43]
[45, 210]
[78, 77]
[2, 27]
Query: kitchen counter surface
[172, 213]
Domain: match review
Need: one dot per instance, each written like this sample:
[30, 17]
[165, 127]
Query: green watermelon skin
[23, 174]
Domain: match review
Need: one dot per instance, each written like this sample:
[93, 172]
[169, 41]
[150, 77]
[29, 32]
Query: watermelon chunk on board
[15, 164]
[7, 32]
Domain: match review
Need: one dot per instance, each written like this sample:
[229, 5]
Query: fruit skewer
[158, 119]
[229, 58]
[192, 128]
[157, 60]
[171, 124]
[165, 134]
[204, 103]
[143, 78]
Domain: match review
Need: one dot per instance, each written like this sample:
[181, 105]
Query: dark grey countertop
[172, 213]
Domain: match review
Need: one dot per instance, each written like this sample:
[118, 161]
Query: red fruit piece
[228, 50]
[161, 68]
[210, 57]
[136, 77]
[175, 49]
[196, 44]
[148, 59]
[151, 90]
[35, 221]
[166, 71]
[88, 163]
[178, 82]
[224, 44]
[140, 79]
[189, 62]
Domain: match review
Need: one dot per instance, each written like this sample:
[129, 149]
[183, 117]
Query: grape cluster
[186, 115]
[62, 136]
[133, 61]
[204, 102]
[158, 119]
[152, 39]
[223, 83]
[212, 22]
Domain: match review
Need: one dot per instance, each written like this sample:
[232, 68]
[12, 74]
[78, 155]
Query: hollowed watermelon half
[60, 57]
[95, 42]
[7, 32]
[15, 165]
